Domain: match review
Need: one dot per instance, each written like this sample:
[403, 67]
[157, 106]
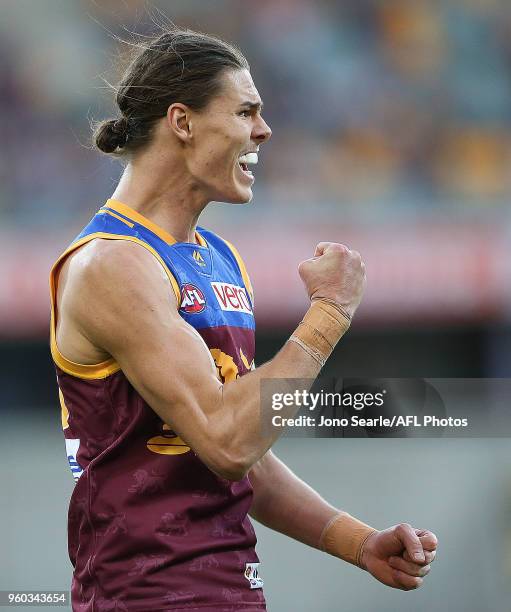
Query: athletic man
[153, 341]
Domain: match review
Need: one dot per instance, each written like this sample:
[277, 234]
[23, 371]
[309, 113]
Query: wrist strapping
[321, 328]
[344, 536]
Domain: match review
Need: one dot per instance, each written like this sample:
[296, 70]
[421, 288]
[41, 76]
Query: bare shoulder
[109, 284]
[105, 269]
[103, 261]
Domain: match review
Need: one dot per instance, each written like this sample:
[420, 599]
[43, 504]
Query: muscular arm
[285, 503]
[118, 296]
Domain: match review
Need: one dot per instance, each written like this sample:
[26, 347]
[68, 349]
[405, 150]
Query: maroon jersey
[150, 526]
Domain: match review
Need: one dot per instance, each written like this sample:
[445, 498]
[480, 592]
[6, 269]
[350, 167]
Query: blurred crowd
[377, 107]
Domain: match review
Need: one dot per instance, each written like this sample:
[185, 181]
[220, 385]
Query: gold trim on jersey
[200, 239]
[104, 211]
[109, 366]
[64, 412]
[127, 211]
[243, 269]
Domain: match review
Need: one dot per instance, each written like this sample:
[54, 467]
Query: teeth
[248, 158]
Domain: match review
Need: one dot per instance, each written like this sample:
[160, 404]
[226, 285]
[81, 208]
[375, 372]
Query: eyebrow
[252, 105]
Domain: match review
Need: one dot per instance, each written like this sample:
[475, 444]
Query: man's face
[229, 127]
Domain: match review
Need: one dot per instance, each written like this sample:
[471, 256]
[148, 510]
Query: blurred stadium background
[391, 133]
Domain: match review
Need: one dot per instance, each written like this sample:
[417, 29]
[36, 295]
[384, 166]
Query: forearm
[243, 413]
[285, 503]
[246, 412]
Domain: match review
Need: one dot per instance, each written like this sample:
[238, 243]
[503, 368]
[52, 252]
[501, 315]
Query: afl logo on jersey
[192, 299]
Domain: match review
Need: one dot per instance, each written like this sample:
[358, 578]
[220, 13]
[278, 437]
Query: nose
[262, 131]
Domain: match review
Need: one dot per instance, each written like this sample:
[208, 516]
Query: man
[153, 340]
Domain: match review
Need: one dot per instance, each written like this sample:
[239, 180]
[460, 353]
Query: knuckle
[401, 528]
[404, 528]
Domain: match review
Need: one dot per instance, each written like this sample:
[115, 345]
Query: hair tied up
[120, 128]
[112, 135]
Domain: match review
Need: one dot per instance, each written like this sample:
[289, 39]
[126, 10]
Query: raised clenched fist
[334, 273]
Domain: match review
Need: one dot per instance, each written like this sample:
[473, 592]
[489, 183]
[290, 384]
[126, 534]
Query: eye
[244, 113]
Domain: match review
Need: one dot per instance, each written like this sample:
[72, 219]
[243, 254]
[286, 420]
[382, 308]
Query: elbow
[232, 473]
[227, 453]
[230, 465]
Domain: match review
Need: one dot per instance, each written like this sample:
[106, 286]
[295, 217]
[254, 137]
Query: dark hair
[177, 66]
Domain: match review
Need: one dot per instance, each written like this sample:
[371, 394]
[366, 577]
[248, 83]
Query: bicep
[172, 369]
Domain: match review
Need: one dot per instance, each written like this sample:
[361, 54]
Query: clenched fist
[334, 273]
[400, 556]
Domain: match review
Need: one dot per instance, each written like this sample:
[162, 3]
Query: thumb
[411, 543]
[321, 247]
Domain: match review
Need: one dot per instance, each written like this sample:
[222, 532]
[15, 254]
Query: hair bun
[120, 126]
[112, 135]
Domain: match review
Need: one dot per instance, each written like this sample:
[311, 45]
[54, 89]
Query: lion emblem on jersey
[142, 564]
[147, 483]
[173, 524]
[201, 563]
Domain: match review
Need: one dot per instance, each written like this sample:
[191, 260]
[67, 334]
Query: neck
[164, 193]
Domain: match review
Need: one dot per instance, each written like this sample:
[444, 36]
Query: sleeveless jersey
[150, 527]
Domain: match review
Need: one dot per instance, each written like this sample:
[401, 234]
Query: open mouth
[247, 160]
[244, 168]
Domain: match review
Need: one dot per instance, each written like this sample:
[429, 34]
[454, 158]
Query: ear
[179, 121]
